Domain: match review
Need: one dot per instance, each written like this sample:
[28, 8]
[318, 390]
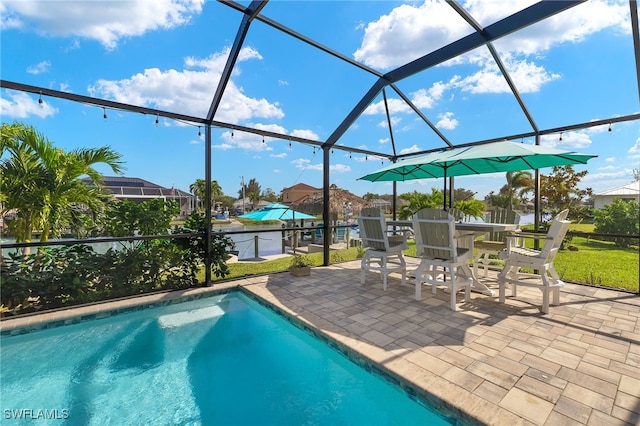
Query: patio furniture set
[446, 245]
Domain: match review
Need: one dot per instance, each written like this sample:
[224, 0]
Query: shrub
[620, 217]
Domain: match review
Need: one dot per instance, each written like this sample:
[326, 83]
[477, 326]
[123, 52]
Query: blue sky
[168, 54]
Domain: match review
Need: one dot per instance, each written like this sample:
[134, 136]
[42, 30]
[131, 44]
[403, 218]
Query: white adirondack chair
[438, 248]
[382, 254]
[540, 262]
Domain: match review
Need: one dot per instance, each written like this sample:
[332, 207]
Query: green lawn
[595, 263]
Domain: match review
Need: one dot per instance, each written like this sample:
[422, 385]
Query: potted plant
[300, 265]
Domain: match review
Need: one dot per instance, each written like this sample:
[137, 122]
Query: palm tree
[42, 183]
[198, 188]
[522, 180]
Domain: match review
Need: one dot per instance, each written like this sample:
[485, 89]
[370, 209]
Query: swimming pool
[223, 360]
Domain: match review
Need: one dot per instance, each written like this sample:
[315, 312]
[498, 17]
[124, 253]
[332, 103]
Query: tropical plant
[198, 188]
[474, 208]
[300, 261]
[417, 200]
[621, 217]
[42, 183]
[518, 183]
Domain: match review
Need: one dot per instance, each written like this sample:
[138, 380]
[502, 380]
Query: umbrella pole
[444, 191]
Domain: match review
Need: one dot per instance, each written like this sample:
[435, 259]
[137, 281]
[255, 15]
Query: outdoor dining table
[476, 228]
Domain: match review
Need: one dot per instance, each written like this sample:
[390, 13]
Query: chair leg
[418, 280]
[502, 282]
[452, 288]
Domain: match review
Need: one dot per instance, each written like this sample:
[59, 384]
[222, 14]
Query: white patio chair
[493, 242]
[437, 247]
[540, 262]
[383, 253]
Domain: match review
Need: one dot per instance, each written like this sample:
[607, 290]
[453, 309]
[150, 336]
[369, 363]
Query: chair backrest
[434, 233]
[373, 229]
[457, 214]
[500, 216]
[555, 236]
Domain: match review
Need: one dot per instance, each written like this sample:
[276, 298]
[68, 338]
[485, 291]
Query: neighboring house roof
[626, 190]
[136, 187]
[380, 202]
[302, 187]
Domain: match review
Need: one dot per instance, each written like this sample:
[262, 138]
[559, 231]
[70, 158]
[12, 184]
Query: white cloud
[189, 90]
[22, 105]
[427, 98]
[446, 121]
[39, 68]
[413, 148]
[281, 155]
[395, 106]
[409, 32]
[306, 134]
[610, 159]
[570, 140]
[106, 22]
[383, 141]
[394, 122]
[339, 168]
[635, 149]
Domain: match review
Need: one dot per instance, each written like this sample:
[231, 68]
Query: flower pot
[301, 271]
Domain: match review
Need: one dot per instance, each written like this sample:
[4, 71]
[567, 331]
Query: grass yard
[594, 263]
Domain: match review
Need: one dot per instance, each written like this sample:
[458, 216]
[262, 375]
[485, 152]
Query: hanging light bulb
[349, 154]
[560, 136]
[156, 120]
[199, 133]
[263, 139]
[289, 143]
[40, 101]
[366, 158]
[232, 133]
[104, 113]
[609, 126]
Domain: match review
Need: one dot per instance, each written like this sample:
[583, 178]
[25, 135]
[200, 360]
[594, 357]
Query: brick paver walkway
[487, 363]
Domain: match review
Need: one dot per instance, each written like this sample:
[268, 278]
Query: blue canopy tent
[276, 211]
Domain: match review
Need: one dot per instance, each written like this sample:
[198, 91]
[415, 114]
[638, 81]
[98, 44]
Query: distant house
[139, 190]
[381, 204]
[626, 192]
[298, 193]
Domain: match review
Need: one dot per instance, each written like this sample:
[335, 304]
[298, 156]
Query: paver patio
[487, 363]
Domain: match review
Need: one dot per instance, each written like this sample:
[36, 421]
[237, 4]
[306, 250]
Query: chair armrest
[532, 235]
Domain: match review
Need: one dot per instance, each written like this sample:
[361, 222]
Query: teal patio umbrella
[276, 211]
[477, 159]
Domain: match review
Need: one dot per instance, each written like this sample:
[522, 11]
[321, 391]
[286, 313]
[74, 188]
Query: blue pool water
[223, 360]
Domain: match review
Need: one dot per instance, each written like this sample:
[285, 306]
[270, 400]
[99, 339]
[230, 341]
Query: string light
[104, 113]
[609, 126]
[262, 139]
[40, 101]
[232, 133]
[199, 132]
[560, 136]
[156, 120]
[349, 154]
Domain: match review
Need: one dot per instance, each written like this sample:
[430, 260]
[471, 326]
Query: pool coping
[11, 326]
